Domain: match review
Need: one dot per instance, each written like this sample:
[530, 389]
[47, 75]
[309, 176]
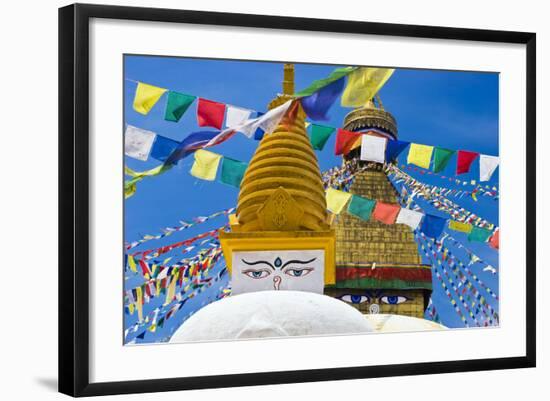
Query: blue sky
[456, 110]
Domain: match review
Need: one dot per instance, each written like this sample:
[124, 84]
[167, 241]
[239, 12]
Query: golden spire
[282, 189]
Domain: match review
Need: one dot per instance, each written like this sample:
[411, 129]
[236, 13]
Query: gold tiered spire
[282, 189]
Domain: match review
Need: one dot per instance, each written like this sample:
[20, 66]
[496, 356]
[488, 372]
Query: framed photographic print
[252, 199]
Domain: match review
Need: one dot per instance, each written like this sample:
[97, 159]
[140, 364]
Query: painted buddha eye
[257, 274]
[354, 299]
[299, 272]
[393, 299]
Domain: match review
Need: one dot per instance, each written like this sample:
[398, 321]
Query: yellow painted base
[282, 240]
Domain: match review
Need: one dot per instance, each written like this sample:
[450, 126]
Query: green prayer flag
[232, 172]
[321, 83]
[320, 135]
[441, 158]
[479, 234]
[361, 207]
[176, 105]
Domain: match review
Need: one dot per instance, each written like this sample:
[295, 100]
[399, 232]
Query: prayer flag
[337, 200]
[479, 234]
[267, 122]
[236, 116]
[163, 147]
[259, 134]
[318, 104]
[494, 240]
[433, 226]
[409, 217]
[441, 158]
[198, 140]
[487, 166]
[373, 148]
[138, 142]
[206, 165]
[319, 135]
[232, 172]
[361, 207]
[176, 105]
[344, 141]
[321, 83]
[420, 155]
[460, 226]
[386, 212]
[146, 97]
[363, 84]
[210, 113]
[394, 148]
[464, 161]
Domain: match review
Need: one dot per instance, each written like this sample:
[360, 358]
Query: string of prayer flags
[420, 155]
[236, 116]
[344, 141]
[337, 200]
[487, 166]
[320, 135]
[232, 172]
[176, 105]
[210, 113]
[363, 84]
[361, 207]
[206, 165]
[138, 142]
[464, 161]
[386, 212]
[163, 147]
[479, 234]
[433, 226]
[146, 97]
[394, 149]
[373, 148]
[409, 217]
[441, 158]
[460, 226]
[317, 105]
[494, 240]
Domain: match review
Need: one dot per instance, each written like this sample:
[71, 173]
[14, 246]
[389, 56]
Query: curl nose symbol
[276, 282]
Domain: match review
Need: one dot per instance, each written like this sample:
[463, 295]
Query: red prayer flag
[210, 114]
[494, 240]
[464, 161]
[344, 141]
[386, 212]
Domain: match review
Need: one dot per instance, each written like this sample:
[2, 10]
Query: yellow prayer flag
[420, 155]
[459, 226]
[206, 165]
[363, 84]
[132, 263]
[307, 124]
[139, 304]
[146, 96]
[171, 291]
[337, 200]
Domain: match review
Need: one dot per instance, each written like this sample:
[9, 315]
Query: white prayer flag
[409, 217]
[236, 116]
[268, 122]
[373, 148]
[487, 166]
[138, 142]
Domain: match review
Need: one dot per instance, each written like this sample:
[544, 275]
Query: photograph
[269, 199]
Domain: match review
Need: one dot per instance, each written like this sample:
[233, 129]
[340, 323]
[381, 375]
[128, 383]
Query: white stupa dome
[272, 314]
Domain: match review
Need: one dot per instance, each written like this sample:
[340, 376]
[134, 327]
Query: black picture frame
[74, 198]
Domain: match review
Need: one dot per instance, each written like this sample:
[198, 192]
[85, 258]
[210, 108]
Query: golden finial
[288, 81]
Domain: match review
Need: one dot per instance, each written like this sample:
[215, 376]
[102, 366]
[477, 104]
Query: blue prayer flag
[192, 142]
[394, 148]
[163, 147]
[317, 105]
[259, 134]
[433, 226]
